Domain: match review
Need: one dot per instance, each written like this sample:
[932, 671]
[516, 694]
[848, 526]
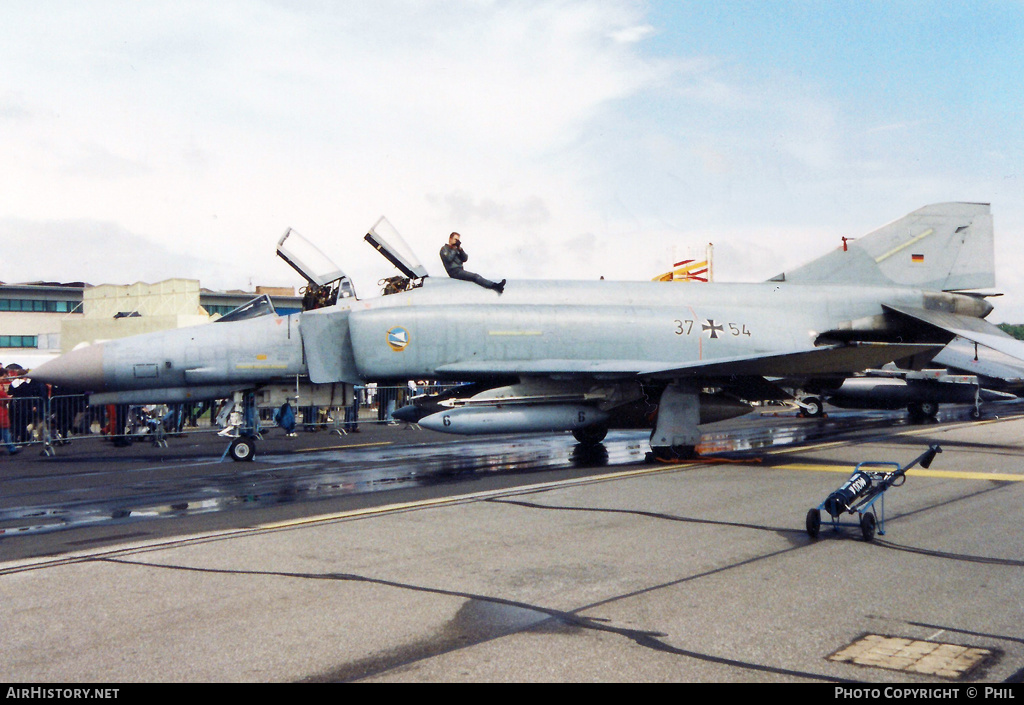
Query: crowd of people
[33, 412]
[21, 406]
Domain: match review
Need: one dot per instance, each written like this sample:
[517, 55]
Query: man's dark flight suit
[453, 259]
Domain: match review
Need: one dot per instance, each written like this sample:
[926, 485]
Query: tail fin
[945, 246]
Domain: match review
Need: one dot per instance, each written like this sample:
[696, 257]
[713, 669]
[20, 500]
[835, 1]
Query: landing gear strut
[675, 436]
[243, 448]
[812, 407]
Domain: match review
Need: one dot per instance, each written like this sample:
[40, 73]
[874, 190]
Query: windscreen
[254, 308]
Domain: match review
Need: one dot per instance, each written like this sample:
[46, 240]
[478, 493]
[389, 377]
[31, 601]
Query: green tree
[1014, 329]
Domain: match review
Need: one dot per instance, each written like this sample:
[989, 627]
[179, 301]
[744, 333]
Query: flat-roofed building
[40, 320]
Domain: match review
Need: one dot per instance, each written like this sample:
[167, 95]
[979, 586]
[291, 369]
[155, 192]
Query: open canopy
[314, 266]
[386, 240]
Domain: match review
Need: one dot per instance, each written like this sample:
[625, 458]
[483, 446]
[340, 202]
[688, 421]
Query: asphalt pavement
[696, 572]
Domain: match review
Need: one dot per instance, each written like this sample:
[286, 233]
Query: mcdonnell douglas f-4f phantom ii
[589, 356]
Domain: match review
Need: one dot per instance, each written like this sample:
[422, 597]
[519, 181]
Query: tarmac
[693, 572]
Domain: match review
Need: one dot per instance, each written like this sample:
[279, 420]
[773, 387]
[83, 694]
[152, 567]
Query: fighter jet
[920, 392]
[963, 372]
[589, 356]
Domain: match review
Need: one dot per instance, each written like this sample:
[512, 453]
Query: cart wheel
[813, 523]
[867, 526]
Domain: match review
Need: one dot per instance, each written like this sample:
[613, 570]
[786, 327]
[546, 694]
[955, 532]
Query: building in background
[40, 320]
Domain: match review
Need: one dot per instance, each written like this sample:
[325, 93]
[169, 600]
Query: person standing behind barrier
[16, 411]
[285, 417]
[30, 406]
[352, 412]
[5, 417]
[69, 412]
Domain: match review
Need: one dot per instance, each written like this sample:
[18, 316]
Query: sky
[562, 138]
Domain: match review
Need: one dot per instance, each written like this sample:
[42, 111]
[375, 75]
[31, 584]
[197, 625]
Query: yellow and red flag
[689, 270]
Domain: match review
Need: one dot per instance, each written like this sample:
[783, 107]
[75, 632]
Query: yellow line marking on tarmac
[908, 432]
[354, 445]
[915, 472]
[804, 449]
[473, 497]
[10, 567]
[20, 565]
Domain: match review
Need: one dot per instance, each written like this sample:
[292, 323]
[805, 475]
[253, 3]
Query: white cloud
[212, 128]
[631, 35]
[204, 130]
[94, 252]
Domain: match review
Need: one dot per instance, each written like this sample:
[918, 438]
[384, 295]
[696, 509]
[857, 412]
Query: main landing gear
[675, 435]
[590, 435]
[923, 411]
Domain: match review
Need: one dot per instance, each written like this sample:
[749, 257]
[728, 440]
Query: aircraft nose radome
[79, 370]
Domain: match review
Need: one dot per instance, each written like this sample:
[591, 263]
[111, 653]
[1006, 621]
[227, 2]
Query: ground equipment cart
[860, 493]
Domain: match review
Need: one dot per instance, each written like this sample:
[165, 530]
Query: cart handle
[925, 459]
[878, 464]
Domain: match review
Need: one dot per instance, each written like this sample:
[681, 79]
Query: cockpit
[326, 284]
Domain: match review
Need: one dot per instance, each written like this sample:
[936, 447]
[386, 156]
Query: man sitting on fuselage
[453, 257]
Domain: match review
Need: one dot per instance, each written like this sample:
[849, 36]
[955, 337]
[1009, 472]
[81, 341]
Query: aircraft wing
[499, 368]
[825, 360]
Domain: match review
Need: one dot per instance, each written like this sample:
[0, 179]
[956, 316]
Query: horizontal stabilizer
[974, 329]
[963, 354]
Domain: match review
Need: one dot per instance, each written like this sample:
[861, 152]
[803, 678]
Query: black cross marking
[709, 325]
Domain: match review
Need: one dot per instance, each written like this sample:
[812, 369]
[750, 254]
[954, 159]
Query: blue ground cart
[860, 493]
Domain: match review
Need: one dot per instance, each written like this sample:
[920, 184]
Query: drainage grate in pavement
[930, 658]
